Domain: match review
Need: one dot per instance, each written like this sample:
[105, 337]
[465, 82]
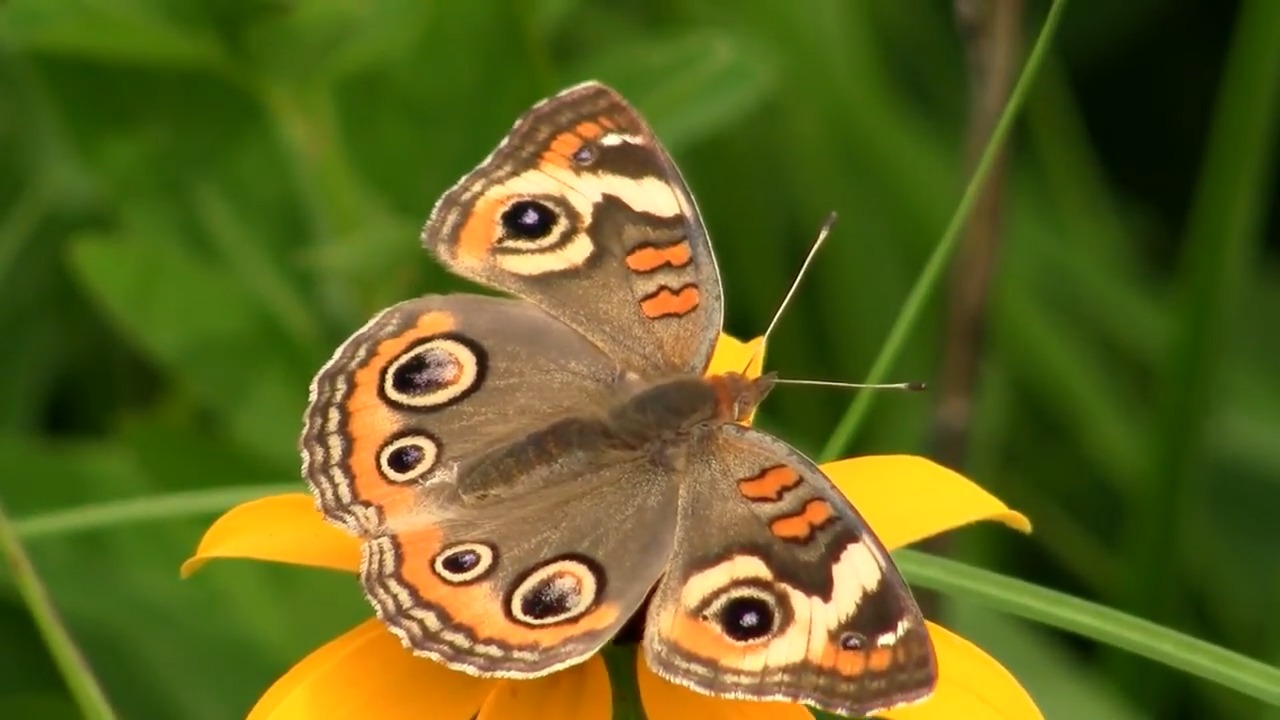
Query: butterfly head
[737, 395]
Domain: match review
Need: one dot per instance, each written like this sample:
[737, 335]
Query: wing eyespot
[748, 613]
[558, 591]
[434, 372]
[529, 219]
[408, 456]
[464, 563]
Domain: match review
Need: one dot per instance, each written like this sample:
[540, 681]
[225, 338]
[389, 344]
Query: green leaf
[1104, 624]
[123, 32]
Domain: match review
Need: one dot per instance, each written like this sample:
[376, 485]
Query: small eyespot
[408, 457]
[464, 562]
[556, 592]
[529, 219]
[852, 641]
[434, 372]
[746, 614]
[585, 155]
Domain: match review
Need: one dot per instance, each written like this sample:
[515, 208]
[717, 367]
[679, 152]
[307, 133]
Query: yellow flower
[367, 673]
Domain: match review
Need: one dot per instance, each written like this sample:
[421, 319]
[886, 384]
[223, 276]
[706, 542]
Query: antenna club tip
[916, 386]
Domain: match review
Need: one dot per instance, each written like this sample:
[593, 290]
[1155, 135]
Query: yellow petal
[281, 528]
[580, 692]
[971, 685]
[732, 355]
[905, 498]
[366, 673]
[666, 701]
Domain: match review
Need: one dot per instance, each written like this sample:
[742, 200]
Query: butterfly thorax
[660, 420]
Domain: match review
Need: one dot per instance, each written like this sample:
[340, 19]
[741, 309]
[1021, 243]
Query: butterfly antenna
[823, 232]
[910, 386]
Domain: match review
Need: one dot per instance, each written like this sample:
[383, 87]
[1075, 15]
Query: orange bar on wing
[648, 258]
[801, 525]
[670, 303]
[769, 485]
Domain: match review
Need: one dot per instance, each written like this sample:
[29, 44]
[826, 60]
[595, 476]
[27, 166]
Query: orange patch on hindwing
[665, 302]
[770, 485]
[369, 420]
[478, 608]
[648, 258]
[801, 526]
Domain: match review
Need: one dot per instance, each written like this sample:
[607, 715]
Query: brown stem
[992, 31]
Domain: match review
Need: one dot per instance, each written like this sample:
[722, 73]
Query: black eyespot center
[465, 563]
[426, 371]
[557, 595]
[585, 155]
[529, 219]
[747, 618]
[406, 458]
[461, 561]
[852, 641]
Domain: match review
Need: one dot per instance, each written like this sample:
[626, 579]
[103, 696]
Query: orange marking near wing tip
[802, 525]
[589, 130]
[670, 303]
[769, 485]
[648, 258]
[562, 147]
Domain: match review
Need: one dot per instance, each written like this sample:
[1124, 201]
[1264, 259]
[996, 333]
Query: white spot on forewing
[648, 194]
[890, 638]
[715, 579]
[857, 572]
[612, 139]
[569, 255]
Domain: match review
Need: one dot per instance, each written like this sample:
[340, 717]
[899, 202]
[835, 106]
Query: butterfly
[527, 473]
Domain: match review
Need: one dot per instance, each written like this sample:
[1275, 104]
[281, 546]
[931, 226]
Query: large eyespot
[434, 373]
[464, 562]
[407, 457]
[542, 234]
[748, 613]
[557, 591]
[529, 219]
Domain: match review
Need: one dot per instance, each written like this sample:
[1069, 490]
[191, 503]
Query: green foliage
[199, 199]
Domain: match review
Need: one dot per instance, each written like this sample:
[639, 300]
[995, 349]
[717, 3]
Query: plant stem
[71, 663]
[913, 307]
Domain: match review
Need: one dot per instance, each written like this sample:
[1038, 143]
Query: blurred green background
[200, 198]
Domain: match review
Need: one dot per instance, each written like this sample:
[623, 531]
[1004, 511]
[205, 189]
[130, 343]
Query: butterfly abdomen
[569, 441]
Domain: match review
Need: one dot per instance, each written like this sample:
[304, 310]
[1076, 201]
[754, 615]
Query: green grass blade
[931, 275]
[1106, 625]
[166, 506]
[75, 671]
[1224, 238]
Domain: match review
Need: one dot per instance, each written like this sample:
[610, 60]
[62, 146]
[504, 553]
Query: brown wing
[430, 383]
[521, 585]
[582, 211]
[779, 590]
